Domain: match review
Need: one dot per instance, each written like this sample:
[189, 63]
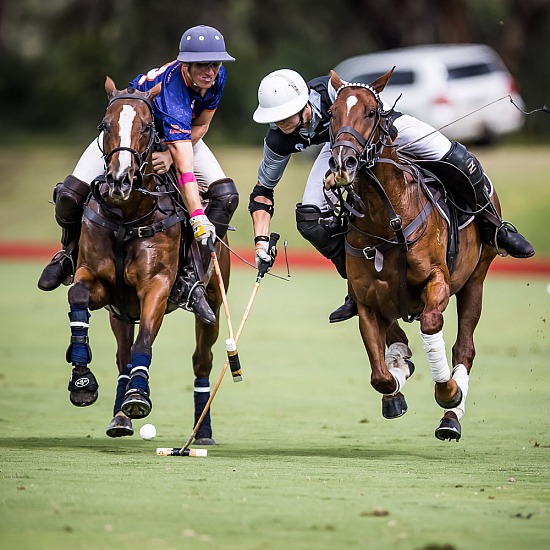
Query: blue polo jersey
[178, 104]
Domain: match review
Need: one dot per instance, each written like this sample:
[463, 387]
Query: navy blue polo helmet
[203, 44]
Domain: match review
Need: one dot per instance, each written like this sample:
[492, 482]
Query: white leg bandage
[398, 367]
[460, 376]
[434, 346]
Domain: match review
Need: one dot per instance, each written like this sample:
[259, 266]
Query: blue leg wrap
[79, 352]
[123, 379]
[139, 373]
[201, 396]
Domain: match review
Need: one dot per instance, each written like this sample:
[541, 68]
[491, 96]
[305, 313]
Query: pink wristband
[197, 212]
[186, 177]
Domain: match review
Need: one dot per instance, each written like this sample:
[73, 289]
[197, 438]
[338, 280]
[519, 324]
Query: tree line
[54, 55]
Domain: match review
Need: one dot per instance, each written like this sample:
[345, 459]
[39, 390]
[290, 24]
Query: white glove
[203, 229]
[262, 256]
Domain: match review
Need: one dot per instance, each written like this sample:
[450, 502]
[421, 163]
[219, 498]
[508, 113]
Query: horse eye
[104, 126]
[371, 113]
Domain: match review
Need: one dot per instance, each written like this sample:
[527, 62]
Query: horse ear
[154, 92]
[380, 83]
[335, 80]
[110, 87]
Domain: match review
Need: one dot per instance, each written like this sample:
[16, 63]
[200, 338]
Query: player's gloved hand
[203, 229]
[265, 255]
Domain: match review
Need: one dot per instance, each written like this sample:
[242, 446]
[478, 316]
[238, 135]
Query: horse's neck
[392, 181]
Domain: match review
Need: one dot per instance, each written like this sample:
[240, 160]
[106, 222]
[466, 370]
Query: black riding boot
[493, 229]
[69, 198]
[326, 235]
[189, 291]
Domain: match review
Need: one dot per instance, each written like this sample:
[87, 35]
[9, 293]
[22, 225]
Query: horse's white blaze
[125, 124]
[434, 346]
[350, 102]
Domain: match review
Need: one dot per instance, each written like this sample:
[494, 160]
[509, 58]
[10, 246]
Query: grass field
[304, 458]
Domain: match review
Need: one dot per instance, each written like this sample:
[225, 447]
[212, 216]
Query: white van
[442, 83]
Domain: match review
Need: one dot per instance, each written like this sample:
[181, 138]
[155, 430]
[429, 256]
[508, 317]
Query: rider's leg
[494, 230]
[316, 224]
[69, 197]
[326, 235]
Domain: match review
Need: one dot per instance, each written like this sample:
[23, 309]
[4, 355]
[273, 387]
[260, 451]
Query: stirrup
[190, 294]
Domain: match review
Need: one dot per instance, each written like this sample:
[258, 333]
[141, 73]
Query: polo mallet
[185, 451]
[230, 343]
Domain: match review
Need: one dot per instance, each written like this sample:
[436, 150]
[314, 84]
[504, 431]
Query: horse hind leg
[83, 386]
[121, 424]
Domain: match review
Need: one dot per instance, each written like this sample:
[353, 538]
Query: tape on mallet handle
[176, 451]
[234, 363]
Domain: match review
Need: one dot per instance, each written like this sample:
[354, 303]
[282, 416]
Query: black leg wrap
[223, 199]
[449, 428]
[83, 388]
[394, 406]
[324, 233]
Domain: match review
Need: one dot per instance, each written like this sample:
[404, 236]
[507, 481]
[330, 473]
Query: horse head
[128, 136]
[356, 129]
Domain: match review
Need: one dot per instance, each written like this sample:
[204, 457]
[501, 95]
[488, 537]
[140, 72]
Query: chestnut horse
[396, 256]
[128, 261]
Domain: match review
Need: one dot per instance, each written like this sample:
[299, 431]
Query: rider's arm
[182, 153]
[200, 125]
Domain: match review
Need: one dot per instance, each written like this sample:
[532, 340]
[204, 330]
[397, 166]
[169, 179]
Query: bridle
[140, 158]
[369, 151]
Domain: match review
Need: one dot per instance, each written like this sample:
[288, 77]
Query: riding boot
[493, 229]
[326, 234]
[69, 198]
[188, 291]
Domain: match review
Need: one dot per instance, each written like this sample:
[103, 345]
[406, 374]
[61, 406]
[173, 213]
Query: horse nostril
[350, 164]
[332, 164]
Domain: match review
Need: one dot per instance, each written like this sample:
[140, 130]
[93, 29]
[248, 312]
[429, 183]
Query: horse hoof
[83, 388]
[136, 404]
[394, 406]
[204, 441]
[454, 402]
[449, 428]
[120, 426]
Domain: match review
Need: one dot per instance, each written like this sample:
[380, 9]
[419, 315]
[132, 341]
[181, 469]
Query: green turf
[304, 458]
[28, 175]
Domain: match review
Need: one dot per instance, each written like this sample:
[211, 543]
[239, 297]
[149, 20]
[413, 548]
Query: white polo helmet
[281, 94]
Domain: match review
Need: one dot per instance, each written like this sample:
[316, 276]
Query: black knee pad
[223, 198]
[323, 232]
[69, 197]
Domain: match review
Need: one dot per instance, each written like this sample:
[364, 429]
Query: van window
[474, 69]
[398, 78]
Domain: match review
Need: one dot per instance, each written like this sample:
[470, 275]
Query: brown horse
[128, 262]
[396, 256]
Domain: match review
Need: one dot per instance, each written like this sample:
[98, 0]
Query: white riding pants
[410, 129]
[205, 165]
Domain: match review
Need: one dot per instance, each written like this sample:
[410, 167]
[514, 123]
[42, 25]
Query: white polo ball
[147, 432]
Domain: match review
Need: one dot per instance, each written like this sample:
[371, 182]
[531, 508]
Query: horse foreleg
[153, 298]
[387, 375]
[436, 296]
[121, 425]
[83, 386]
